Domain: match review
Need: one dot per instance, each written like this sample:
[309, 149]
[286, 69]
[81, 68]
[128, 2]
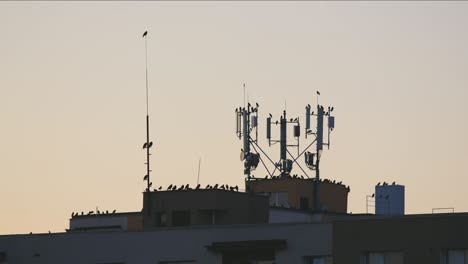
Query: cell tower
[247, 122]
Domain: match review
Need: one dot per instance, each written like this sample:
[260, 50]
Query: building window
[279, 199]
[455, 256]
[178, 262]
[3, 257]
[181, 218]
[317, 260]
[161, 219]
[382, 258]
[253, 256]
[304, 203]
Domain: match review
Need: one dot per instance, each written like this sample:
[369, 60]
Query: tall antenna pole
[148, 144]
[244, 95]
[199, 165]
[319, 148]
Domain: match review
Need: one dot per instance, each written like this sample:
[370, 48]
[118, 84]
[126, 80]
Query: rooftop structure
[203, 207]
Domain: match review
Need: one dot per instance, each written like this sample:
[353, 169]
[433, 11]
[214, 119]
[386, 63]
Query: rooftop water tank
[390, 199]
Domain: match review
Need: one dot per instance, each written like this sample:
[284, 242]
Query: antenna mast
[198, 176]
[246, 123]
[147, 145]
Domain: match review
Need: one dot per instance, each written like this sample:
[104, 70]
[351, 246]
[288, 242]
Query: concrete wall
[334, 197]
[421, 238]
[171, 244]
[283, 215]
[232, 207]
[126, 221]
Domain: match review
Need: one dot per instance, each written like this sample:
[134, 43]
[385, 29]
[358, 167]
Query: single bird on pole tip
[144, 34]
[317, 91]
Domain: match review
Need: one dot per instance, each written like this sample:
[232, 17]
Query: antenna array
[247, 124]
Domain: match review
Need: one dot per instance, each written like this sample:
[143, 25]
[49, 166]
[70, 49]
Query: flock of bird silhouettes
[187, 187]
[301, 177]
[385, 184]
[92, 213]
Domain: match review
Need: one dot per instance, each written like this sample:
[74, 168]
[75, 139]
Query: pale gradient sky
[72, 98]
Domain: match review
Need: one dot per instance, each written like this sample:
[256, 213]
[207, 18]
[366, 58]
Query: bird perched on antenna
[145, 178]
[144, 34]
[318, 92]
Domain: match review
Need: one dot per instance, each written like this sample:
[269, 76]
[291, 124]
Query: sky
[72, 98]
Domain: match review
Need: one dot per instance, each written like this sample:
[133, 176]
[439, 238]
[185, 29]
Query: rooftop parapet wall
[203, 207]
[333, 196]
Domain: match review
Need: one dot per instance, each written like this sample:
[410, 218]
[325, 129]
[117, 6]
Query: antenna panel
[319, 128]
[268, 127]
[283, 139]
[297, 131]
[238, 124]
[307, 118]
[254, 121]
[331, 122]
